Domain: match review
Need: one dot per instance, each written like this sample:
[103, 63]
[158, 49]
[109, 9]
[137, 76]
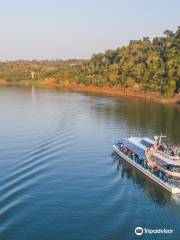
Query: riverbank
[108, 91]
[117, 92]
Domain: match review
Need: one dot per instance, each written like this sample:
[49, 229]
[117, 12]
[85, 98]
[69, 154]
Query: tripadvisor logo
[139, 231]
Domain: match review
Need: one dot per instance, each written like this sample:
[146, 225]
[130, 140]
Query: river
[59, 178]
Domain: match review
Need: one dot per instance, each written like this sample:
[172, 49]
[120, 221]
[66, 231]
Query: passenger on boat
[176, 150]
[151, 151]
[163, 148]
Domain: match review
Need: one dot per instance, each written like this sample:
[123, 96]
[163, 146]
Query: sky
[64, 29]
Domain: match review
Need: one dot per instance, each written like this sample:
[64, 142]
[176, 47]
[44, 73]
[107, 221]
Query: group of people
[172, 151]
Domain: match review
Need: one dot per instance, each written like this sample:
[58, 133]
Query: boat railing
[168, 156]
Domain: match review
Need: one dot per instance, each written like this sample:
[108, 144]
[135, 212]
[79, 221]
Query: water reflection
[149, 188]
[142, 115]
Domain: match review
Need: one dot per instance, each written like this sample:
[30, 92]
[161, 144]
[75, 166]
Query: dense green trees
[143, 64]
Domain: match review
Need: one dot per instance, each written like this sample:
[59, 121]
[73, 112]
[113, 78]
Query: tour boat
[157, 160]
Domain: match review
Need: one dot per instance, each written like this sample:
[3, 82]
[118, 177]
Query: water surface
[59, 178]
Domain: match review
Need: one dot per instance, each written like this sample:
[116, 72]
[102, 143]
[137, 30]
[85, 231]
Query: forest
[148, 65]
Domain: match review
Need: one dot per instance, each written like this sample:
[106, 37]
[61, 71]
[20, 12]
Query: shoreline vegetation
[144, 68]
[105, 91]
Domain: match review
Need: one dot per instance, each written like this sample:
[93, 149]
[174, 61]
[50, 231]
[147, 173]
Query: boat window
[146, 143]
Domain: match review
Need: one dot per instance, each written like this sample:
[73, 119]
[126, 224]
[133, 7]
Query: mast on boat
[158, 139]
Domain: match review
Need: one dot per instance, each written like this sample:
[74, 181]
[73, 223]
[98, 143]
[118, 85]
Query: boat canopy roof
[134, 148]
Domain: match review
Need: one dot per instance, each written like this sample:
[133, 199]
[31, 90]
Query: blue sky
[50, 29]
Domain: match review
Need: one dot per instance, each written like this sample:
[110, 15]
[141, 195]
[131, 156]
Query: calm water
[59, 178]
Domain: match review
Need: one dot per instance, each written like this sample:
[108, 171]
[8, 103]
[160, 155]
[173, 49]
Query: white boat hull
[163, 184]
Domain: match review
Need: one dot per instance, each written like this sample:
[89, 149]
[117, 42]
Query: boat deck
[167, 159]
[165, 185]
